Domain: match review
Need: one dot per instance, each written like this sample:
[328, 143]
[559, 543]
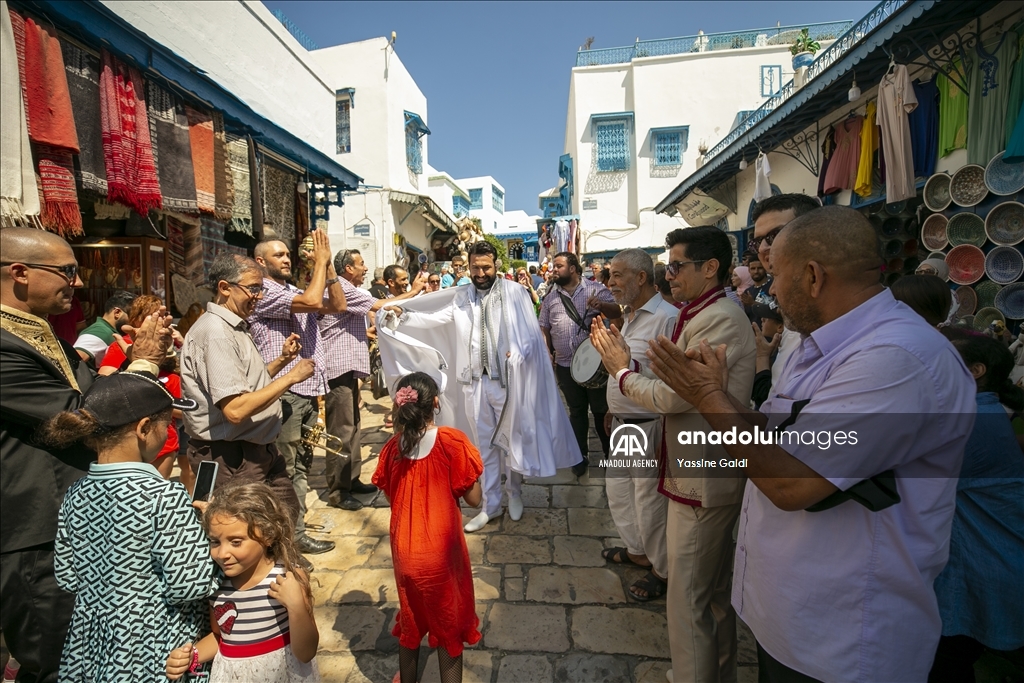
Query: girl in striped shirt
[262, 614]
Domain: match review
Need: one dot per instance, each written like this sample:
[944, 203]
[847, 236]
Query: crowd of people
[886, 553]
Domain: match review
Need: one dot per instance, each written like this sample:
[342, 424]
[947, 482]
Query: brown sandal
[620, 556]
[652, 584]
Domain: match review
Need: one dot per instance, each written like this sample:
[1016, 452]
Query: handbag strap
[570, 310]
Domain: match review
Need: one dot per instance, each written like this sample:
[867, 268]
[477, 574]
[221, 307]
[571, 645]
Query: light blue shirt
[846, 593]
[447, 281]
[978, 593]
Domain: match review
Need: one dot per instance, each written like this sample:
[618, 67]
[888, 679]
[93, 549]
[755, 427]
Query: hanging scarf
[255, 188]
[238, 163]
[200, 134]
[19, 195]
[172, 150]
[223, 186]
[127, 150]
[279, 201]
[51, 123]
[38, 334]
[82, 71]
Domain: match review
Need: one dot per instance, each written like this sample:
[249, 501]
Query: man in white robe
[483, 346]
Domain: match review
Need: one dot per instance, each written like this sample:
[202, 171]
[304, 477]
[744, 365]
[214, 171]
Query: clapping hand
[693, 375]
[609, 343]
[321, 248]
[152, 339]
[765, 348]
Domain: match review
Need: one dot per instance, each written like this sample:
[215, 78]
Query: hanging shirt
[868, 147]
[952, 112]
[896, 99]
[762, 186]
[828, 146]
[924, 128]
[990, 93]
[842, 167]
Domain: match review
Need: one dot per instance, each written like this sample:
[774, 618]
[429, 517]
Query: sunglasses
[68, 272]
[434, 281]
[755, 243]
[674, 267]
[254, 290]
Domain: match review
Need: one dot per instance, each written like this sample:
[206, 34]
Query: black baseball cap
[766, 310]
[126, 397]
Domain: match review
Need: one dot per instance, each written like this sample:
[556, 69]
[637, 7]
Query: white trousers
[638, 509]
[489, 396]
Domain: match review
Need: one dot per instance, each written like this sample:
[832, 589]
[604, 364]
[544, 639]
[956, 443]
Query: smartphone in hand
[206, 477]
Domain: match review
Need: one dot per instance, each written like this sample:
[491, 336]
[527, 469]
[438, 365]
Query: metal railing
[875, 18]
[297, 33]
[708, 42]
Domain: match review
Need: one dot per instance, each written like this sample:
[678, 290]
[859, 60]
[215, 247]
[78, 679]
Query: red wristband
[193, 668]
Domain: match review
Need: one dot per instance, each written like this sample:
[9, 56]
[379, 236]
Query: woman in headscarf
[740, 282]
[933, 266]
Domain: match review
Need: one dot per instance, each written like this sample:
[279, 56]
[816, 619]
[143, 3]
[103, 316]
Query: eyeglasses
[254, 290]
[925, 270]
[673, 267]
[434, 281]
[69, 272]
[755, 243]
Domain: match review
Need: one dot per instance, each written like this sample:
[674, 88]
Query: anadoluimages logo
[628, 441]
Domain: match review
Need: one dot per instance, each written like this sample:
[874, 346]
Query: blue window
[771, 80]
[342, 124]
[460, 205]
[476, 199]
[415, 129]
[669, 144]
[497, 199]
[613, 146]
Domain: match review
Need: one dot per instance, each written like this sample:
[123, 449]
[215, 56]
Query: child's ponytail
[414, 410]
[67, 428]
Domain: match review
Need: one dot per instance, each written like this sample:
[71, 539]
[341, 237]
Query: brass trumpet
[317, 437]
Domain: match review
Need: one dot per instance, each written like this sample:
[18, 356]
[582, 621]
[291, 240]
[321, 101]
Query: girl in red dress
[424, 470]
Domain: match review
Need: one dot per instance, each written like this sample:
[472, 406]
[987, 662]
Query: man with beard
[637, 508]
[93, 342]
[565, 316]
[484, 349]
[282, 311]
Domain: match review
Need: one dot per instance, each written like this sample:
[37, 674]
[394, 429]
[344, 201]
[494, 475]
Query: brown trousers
[241, 462]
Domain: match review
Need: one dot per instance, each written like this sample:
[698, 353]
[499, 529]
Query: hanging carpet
[19, 194]
[172, 149]
[82, 71]
[223, 186]
[241, 206]
[200, 133]
[279, 201]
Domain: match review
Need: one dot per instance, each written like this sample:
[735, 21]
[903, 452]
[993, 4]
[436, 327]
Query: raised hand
[152, 339]
[321, 248]
[291, 347]
[765, 348]
[609, 343]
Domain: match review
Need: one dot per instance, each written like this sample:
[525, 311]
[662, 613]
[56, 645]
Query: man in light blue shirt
[446, 278]
[844, 527]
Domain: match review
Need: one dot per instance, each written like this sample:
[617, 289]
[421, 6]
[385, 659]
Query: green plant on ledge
[804, 43]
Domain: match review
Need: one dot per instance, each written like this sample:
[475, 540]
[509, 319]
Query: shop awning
[428, 208]
[92, 23]
[416, 121]
[906, 30]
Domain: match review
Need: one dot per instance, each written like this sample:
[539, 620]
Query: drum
[586, 367]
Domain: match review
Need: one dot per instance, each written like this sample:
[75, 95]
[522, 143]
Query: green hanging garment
[990, 77]
[952, 111]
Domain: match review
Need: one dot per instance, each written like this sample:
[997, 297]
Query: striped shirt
[566, 335]
[249, 616]
[344, 334]
[271, 323]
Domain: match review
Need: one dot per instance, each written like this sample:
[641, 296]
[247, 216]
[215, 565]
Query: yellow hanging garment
[868, 147]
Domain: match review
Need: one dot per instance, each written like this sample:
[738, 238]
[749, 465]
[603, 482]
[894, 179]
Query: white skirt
[279, 666]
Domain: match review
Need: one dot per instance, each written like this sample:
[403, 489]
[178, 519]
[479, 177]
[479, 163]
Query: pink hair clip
[406, 395]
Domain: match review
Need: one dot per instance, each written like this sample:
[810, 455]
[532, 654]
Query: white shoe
[477, 523]
[515, 508]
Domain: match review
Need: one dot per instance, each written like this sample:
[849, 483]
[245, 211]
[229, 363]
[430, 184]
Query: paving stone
[526, 628]
[376, 521]
[349, 628]
[629, 631]
[366, 585]
[381, 555]
[559, 477]
[375, 436]
[591, 522]
[475, 544]
[477, 666]
[486, 583]
[539, 522]
[524, 669]
[504, 548]
[651, 672]
[535, 496]
[323, 585]
[514, 590]
[578, 551]
[335, 667]
[586, 668]
[513, 571]
[349, 551]
[578, 497]
[373, 667]
[574, 586]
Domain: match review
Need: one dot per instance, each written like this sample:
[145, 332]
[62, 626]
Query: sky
[496, 74]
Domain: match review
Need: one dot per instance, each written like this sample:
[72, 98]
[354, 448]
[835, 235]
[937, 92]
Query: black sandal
[620, 556]
[654, 586]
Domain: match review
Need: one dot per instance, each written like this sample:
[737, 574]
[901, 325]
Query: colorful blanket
[223, 185]
[82, 70]
[19, 194]
[172, 149]
[200, 133]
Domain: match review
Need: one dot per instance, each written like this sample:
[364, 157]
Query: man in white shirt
[631, 478]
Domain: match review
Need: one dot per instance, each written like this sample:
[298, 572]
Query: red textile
[200, 135]
[114, 357]
[127, 150]
[428, 547]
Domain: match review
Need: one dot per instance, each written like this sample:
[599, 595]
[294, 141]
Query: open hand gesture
[693, 375]
[765, 348]
[321, 248]
[152, 339]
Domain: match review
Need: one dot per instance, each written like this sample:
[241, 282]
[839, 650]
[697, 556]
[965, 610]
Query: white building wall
[488, 216]
[243, 48]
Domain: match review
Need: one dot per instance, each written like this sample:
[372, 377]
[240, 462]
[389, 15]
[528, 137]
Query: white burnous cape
[434, 336]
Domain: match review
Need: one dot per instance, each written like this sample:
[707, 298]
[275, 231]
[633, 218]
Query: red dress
[428, 547]
[115, 357]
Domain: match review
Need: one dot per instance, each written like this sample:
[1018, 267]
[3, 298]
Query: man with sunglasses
[41, 375]
[703, 501]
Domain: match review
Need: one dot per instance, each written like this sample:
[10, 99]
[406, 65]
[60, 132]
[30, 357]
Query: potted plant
[803, 49]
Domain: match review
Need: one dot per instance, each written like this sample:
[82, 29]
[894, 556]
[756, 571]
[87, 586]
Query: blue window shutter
[613, 146]
[476, 199]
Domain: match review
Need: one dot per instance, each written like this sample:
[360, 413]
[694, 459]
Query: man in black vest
[39, 376]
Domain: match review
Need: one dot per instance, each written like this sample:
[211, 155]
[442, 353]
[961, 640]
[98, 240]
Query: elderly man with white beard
[638, 509]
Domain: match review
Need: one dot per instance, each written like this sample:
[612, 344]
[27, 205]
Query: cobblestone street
[550, 608]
